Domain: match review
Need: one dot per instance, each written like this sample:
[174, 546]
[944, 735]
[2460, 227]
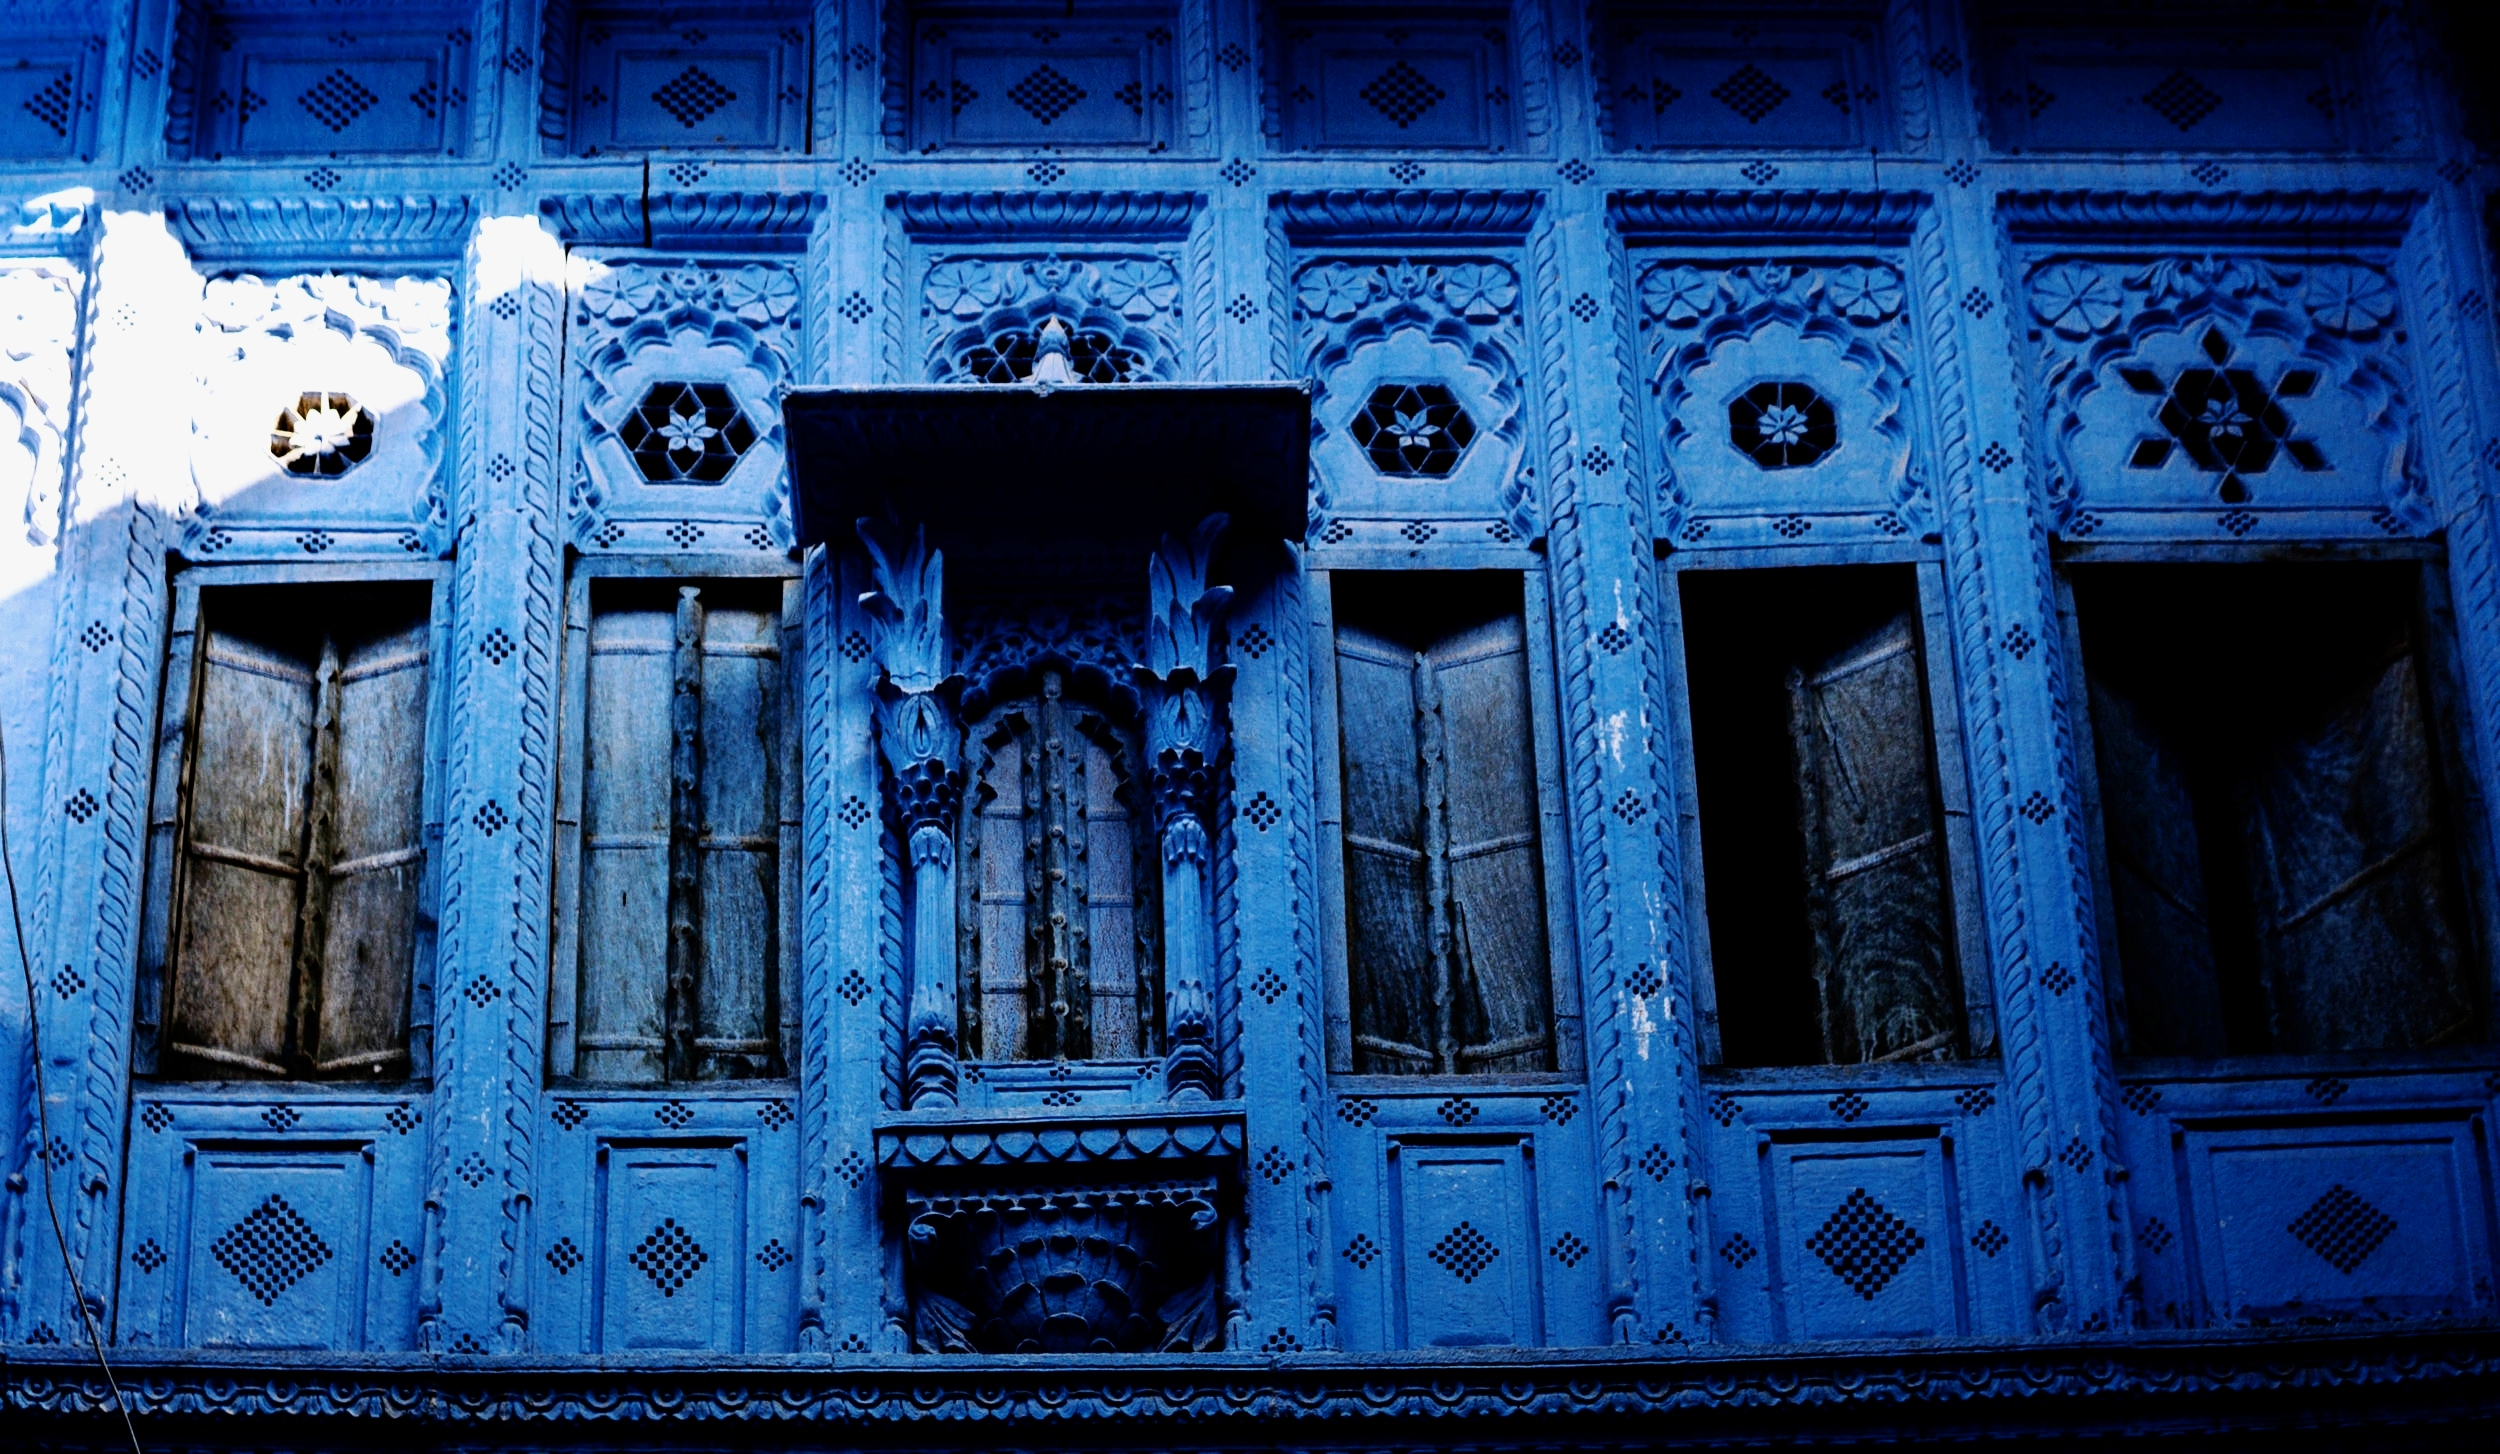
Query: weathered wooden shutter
[246, 801]
[1445, 925]
[623, 1013]
[735, 1010]
[2156, 885]
[2350, 879]
[1121, 1025]
[372, 862]
[1874, 850]
[1501, 994]
[1390, 954]
[994, 876]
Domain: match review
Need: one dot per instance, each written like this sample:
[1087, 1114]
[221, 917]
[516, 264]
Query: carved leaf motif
[2076, 299]
[908, 605]
[1182, 607]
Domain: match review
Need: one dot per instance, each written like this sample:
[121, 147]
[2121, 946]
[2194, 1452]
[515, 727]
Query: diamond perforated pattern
[1864, 1244]
[1751, 93]
[1403, 94]
[1045, 94]
[693, 94]
[1465, 1251]
[2182, 100]
[270, 1250]
[669, 1256]
[2342, 1227]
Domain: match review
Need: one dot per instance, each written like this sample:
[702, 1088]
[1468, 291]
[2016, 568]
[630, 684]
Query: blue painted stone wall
[500, 223]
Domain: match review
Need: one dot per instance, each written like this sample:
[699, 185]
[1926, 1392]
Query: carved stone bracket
[921, 740]
[1182, 686]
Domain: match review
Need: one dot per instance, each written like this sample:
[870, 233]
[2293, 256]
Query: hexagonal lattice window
[687, 434]
[322, 436]
[1094, 356]
[1413, 429]
[1781, 426]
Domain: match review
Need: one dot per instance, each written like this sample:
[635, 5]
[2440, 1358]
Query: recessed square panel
[277, 1247]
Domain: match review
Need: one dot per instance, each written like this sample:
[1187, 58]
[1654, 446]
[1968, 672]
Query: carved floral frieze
[1122, 315]
[1420, 410]
[319, 424]
[38, 346]
[1782, 394]
[680, 366]
[2199, 395]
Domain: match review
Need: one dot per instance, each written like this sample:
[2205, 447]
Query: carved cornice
[1380, 212]
[1198, 1132]
[1057, 215]
[755, 221]
[2112, 1384]
[2189, 218]
[1728, 216]
[269, 230]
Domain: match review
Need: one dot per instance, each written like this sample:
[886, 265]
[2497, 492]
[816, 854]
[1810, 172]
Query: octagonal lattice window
[1413, 430]
[1781, 426]
[1094, 356]
[687, 434]
[322, 436]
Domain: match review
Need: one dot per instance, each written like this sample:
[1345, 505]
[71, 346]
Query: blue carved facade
[1245, 722]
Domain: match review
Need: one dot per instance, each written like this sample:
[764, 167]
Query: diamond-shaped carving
[1989, 1238]
[270, 1250]
[321, 436]
[1275, 1165]
[1269, 986]
[1465, 1251]
[687, 434]
[1403, 94]
[1751, 93]
[1357, 1110]
[1568, 1250]
[676, 1115]
[337, 99]
[1864, 1244]
[1656, 1163]
[774, 1256]
[1848, 1105]
[2182, 100]
[2342, 1227]
[148, 1255]
[1262, 811]
[1362, 1251]
[1045, 94]
[1457, 1110]
[396, 1259]
[1413, 430]
[569, 1114]
[564, 1256]
[669, 1256]
[1738, 1250]
[693, 94]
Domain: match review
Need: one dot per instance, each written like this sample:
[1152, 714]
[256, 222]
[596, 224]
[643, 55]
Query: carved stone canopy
[997, 472]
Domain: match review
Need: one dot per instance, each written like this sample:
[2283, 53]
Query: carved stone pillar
[1184, 745]
[921, 740]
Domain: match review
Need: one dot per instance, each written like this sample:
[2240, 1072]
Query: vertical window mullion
[320, 850]
[685, 845]
[1432, 773]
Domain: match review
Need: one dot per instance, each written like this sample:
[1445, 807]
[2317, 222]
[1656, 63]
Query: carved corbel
[922, 742]
[1182, 688]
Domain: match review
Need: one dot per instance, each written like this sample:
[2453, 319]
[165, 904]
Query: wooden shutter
[1501, 996]
[245, 793]
[735, 1013]
[625, 843]
[2350, 878]
[373, 858]
[1389, 951]
[1874, 850]
[2156, 885]
[995, 879]
[1117, 865]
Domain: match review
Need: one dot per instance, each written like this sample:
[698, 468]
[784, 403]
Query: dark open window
[288, 841]
[1448, 958]
[1830, 820]
[677, 833]
[2280, 865]
[1057, 879]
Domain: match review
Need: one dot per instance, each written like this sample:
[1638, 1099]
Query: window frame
[564, 963]
[1964, 901]
[1553, 833]
[2470, 823]
[167, 808]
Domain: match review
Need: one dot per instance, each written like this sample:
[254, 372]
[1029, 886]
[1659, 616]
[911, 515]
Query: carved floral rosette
[1431, 351]
[678, 372]
[2198, 396]
[38, 342]
[319, 428]
[1783, 401]
[983, 314]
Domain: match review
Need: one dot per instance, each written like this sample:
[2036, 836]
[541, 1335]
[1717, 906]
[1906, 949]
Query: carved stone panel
[38, 341]
[48, 95]
[677, 368]
[2208, 395]
[1419, 76]
[983, 315]
[1746, 76]
[277, 78]
[1783, 401]
[1100, 77]
[648, 78]
[319, 427]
